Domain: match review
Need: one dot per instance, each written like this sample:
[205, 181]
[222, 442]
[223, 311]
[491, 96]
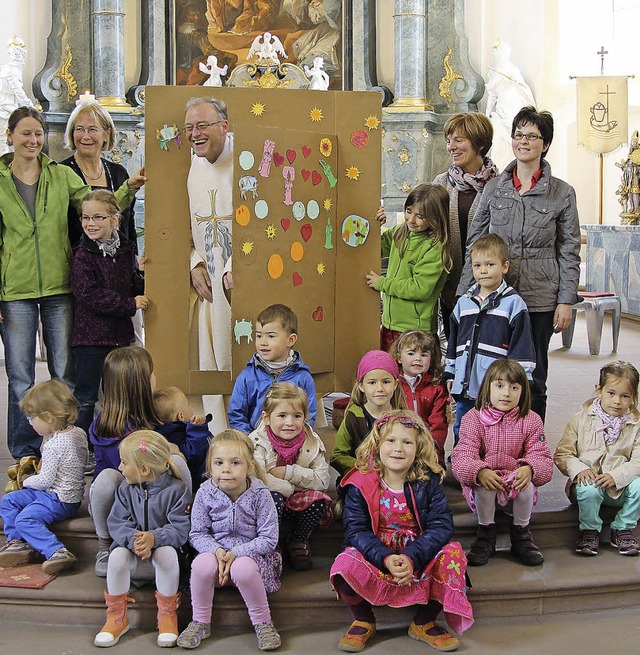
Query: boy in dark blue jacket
[274, 361]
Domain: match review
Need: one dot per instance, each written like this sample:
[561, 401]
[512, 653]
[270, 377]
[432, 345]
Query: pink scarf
[489, 415]
[287, 449]
[611, 425]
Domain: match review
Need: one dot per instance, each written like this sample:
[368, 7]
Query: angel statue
[267, 47]
[318, 79]
[214, 71]
[629, 189]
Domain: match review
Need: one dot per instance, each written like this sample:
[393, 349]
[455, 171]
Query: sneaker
[90, 466]
[441, 641]
[60, 560]
[588, 542]
[353, 642]
[268, 637]
[193, 634]
[102, 559]
[625, 542]
[16, 552]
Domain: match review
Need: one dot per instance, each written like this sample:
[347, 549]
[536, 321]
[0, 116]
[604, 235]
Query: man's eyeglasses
[201, 127]
[96, 219]
[518, 136]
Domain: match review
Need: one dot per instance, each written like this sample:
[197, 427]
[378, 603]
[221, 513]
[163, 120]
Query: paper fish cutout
[243, 328]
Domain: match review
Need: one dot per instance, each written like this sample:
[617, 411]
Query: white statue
[214, 72]
[12, 94]
[319, 80]
[267, 47]
[507, 94]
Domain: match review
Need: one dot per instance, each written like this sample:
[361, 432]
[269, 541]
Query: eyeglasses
[78, 129]
[201, 127]
[96, 219]
[518, 136]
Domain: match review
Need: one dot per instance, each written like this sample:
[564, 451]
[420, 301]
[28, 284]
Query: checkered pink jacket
[502, 447]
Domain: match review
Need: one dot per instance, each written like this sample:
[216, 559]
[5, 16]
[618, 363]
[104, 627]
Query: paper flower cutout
[353, 173]
[327, 204]
[258, 109]
[246, 247]
[372, 122]
[270, 231]
[316, 115]
[326, 147]
[321, 268]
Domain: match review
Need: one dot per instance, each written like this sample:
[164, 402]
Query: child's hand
[523, 477]
[143, 544]
[198, 419]
[449, 387]
[278, 471]
[142, 302]
[224, 572]
[585, 477]
[372, 278]
[490, 480]
[605, 481]
[381, 217]
[400, 567]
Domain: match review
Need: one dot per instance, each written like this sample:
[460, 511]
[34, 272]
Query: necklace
[86, 175]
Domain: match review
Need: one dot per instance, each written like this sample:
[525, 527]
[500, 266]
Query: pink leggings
[244, 575]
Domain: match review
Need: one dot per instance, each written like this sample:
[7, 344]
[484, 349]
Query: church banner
[602, 112]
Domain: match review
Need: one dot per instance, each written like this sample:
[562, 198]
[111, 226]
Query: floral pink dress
[443, 579]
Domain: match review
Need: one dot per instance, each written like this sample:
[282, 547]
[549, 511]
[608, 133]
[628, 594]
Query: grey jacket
[542, 230]
[160, 506]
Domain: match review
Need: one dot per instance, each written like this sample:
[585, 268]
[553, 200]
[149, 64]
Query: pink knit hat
[377, 359]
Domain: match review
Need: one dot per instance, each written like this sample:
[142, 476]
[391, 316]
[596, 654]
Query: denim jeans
[19, 330]
[463, 405]
[89, 361]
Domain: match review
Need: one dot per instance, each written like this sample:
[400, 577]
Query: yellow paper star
[326, 147]
[372, 122]
[270, 231]
[316, 115]
[247, 248]
[353, 173]
[321, 268]
[327, 204]
[258, 109]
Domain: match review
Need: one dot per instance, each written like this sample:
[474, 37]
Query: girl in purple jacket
[234, 528]
[108, 290]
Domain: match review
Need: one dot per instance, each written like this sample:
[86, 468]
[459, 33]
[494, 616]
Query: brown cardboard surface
[350, 323]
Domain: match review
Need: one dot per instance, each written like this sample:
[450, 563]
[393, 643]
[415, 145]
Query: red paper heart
[306, 151]
[316, 178]
[306, 231]
[278, 159]
[305, 174]
[285, 223]
[318, 314]
[291, 156]
[297, 280]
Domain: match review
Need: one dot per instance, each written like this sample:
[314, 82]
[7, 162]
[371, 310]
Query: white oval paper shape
[246, 160]
[261, 209]
[313, 209]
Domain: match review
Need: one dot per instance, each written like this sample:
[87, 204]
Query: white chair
[595, 305]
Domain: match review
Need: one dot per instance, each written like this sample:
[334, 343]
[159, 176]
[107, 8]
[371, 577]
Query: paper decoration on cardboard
[168, 133]
[258, 109]
[298, 210]
[270, 231]
[248, 184]
[261, 209]
[355, 230]
[318, 313]
[306, 151]
[321, 269]
[360, 138]
[243, 328]
[297, 279]
[285, 224]
[243, 215]
[275, 266]
[353, 173]
[278, 159]
[313, 209]
[372, 122]
[326, 147]
[267, 155]
[326, 169]
[289, 174]
[306, 231]
[246, 160]
[328, 232]
[316, 115]
[248, 250]
[297, 251]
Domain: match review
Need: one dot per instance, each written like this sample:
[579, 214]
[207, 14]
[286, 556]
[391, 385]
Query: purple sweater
[104, 289]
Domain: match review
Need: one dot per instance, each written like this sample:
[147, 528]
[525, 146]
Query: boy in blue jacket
[489, 322]
[274, 361]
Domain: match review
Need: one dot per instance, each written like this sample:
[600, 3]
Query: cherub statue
[319, 80]
[629, 189]
[267, 47]
[12, 94]
[212, 69]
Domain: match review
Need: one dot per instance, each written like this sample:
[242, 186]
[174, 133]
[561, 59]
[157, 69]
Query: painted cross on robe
[213, 219]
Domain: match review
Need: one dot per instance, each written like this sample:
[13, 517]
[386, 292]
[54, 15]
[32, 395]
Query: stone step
[565, 582]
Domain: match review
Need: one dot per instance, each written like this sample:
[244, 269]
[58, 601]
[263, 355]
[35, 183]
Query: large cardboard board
[297, 121]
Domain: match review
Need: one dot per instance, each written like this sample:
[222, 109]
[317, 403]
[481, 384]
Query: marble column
[410, 31]
[108, 54]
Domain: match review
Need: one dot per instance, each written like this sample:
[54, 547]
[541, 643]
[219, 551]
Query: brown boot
[167, 619]
[117, 622]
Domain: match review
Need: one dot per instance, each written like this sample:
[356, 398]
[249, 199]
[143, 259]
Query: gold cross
[213, 218]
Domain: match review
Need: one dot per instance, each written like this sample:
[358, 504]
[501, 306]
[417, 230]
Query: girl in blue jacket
[397, 527]
[148, 522]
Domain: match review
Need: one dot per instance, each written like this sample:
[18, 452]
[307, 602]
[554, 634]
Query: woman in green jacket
[35, 261]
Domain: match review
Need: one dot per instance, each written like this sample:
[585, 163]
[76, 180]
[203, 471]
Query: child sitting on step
[600, 453]
[148, 522]
[55, 493]
[502, 458]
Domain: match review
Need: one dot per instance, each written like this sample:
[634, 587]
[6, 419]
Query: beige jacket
[582, 448]
[311, 471]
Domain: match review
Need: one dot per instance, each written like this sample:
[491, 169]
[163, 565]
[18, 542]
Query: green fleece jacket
[413, 283]
[352, 432]
[35, 254]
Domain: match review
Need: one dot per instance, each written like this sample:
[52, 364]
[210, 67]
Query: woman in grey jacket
[536, 214]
